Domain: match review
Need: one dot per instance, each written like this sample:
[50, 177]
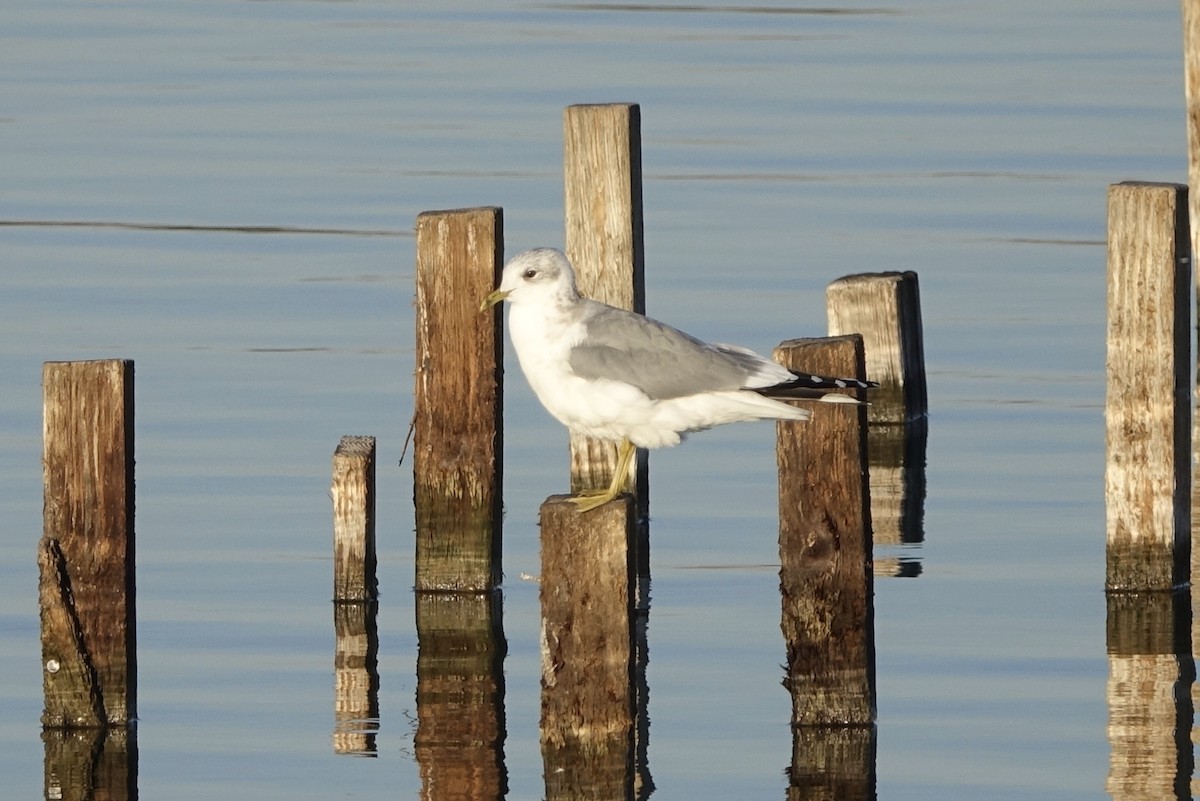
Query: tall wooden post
[602, 170]
[1148, 405]
[86, 556]
[353, 491]
[825, 546]
[458, 440]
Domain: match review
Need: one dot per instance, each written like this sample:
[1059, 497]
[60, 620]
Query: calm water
[783, 146]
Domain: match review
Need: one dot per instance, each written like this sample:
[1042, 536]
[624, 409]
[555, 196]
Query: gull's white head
[541, 275]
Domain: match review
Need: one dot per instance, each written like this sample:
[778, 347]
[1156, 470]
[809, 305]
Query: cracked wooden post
[1147, 413]
[457, 439]
[602, 170]
[825, 546]
[86, 555]
[353, 491]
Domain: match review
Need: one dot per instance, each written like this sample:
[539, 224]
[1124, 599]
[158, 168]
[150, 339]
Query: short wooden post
[1148, 406]
[86, 555]
[458, 441]
[353, 491]
[355, 678]
[602, 168]
[886, 309]
[588, 696]
[459, 742]
[825, 546]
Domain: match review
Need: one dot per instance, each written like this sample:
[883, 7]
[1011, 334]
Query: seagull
[622, 377]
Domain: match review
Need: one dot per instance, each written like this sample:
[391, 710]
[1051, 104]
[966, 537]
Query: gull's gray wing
[662, 361]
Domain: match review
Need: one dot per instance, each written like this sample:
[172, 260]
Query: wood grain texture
[353, 490]
[885, 308]
[588, 694]
[602, 171]
[86, 557]
[457, 437]
[825, 546]
[1148, 403]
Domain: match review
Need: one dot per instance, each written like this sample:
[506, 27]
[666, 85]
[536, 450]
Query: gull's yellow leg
[592, 499]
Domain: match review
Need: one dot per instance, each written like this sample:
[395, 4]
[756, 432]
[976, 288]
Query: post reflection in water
[1150, 675]
[356, 678]
[896, 453]
[87, 763]
[459, 742]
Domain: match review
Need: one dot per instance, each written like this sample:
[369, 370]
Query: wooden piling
[588, 694]
[459, 741]
[825, 546]
[86, 555]
[353, 491]
[602, 170]
[458, 440]
[886, 309]
[1148, 405]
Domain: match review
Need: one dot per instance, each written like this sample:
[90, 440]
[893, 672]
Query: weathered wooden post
[1191, 85]
[86, 580]
[353, 491]
[458, 440]
[1148, 405]
[588, 591]
[459, 742]
[602, 170]
[86, 556]
[885, 308]
[825, 546]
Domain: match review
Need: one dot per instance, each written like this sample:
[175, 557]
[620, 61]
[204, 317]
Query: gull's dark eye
[530, 274]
